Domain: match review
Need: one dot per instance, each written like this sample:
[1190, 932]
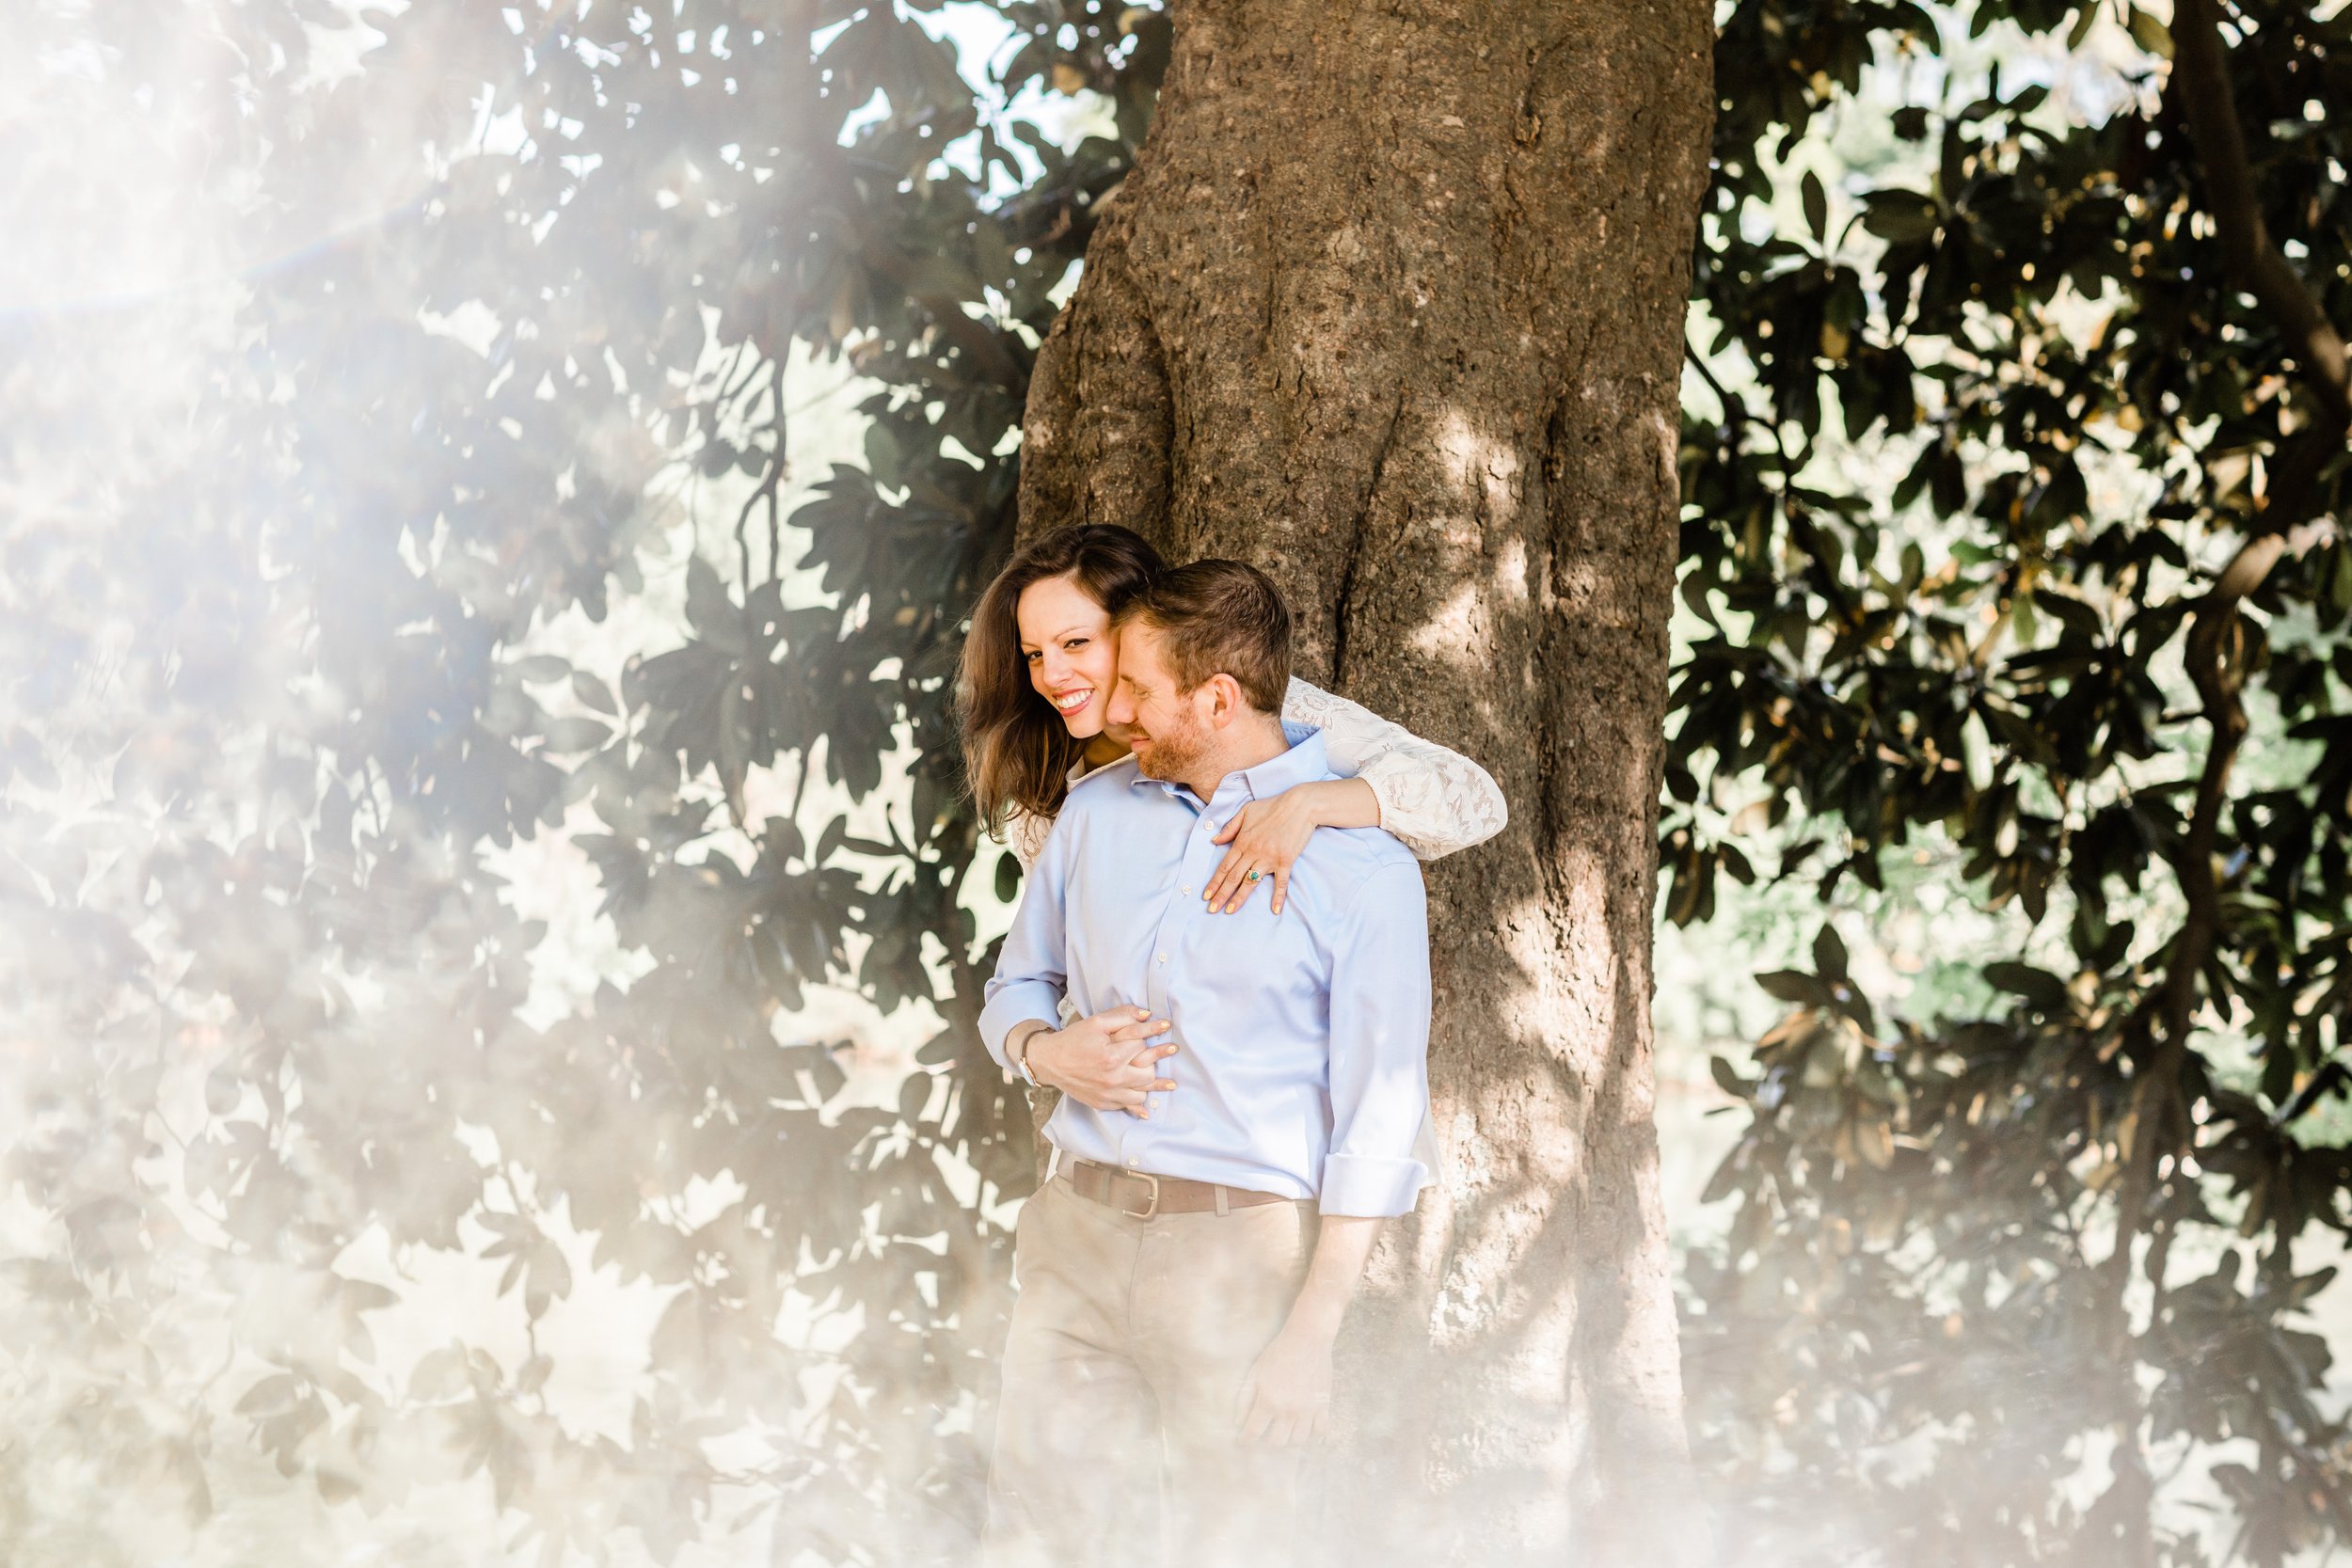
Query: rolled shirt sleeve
[1379, 1047]
[1032, 968]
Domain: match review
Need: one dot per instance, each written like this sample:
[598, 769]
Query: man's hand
[1102, 1062]
[1286, 1398]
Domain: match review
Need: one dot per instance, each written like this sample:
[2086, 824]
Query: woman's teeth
[1071, 702]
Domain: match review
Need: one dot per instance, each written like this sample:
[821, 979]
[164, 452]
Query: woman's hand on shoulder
[1267, 835]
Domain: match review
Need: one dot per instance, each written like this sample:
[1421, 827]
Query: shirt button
[1189, 892]
[1135, 1160]
[1162, 958]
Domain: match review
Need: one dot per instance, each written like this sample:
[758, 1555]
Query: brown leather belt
[1139, 1194]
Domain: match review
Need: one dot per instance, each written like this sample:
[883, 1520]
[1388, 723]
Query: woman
[1036, 677]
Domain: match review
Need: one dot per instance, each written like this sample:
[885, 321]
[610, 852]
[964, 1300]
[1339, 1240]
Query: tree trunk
[1393, 307]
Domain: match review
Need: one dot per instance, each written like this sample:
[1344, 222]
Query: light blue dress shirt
[1303, 1036]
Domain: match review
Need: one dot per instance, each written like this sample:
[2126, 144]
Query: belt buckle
[1152, 1207]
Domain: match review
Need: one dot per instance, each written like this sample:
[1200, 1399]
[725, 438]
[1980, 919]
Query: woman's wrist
[1343, 803]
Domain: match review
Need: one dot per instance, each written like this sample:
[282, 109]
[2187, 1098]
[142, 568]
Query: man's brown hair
[1219, 618]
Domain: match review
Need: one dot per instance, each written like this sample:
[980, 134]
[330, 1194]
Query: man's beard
[1173, 753]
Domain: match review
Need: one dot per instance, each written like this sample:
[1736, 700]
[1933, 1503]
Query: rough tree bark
[1393, 307]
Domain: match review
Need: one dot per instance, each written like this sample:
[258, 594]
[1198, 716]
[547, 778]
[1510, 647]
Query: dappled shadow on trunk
[1410, 344]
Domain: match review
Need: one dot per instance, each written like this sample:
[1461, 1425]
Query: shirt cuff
[1013, 1005]
[1369, 1186]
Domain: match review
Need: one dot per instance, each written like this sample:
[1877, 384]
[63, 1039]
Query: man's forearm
[1013, 1003]
[1342, 1247]
[1017, 1040]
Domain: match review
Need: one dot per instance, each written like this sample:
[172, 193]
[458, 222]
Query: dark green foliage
[294, 904]
[1921, 1335]
[281, 691]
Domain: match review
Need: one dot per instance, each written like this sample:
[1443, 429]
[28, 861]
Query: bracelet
[1021, 1055]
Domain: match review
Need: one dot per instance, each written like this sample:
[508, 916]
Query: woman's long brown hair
[1017, 753]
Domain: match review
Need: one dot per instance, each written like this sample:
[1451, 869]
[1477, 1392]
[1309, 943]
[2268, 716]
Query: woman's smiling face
[1073, 659]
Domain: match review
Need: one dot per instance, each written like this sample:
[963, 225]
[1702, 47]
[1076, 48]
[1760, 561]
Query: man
[1183, 1272]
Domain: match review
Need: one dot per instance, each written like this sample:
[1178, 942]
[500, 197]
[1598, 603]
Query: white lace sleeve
[1025, 836]
[1434, 801]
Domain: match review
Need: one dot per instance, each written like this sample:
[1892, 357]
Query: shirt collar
[1304, 762]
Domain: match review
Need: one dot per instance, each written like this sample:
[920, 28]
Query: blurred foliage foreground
[2014, 461]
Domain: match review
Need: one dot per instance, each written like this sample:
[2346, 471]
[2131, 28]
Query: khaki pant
[1116, 1434]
